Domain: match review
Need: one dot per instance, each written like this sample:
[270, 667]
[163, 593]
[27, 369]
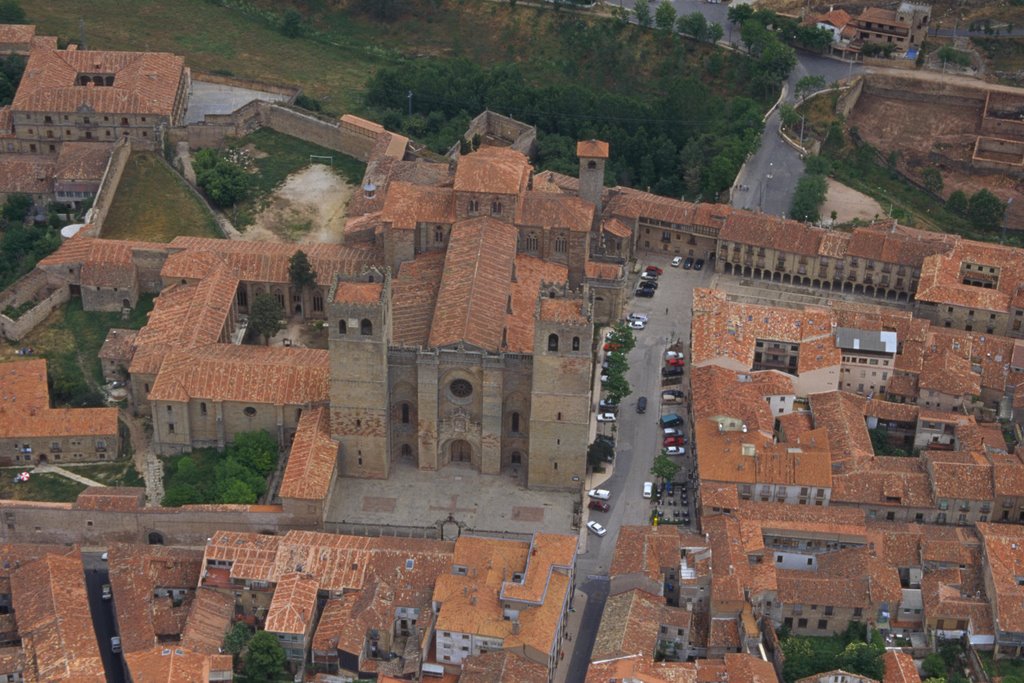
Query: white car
[604, 378]
[637, 324]
[648, 489]
[677, 261]
[647, 275]
[638, 316]
[596, 528]
[673, 354]
[606, 417]
[600, 494]
[671, 431]
[675, 450]
[671, 398]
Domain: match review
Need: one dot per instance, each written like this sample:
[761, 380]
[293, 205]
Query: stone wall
[912, 89]
[34, 286]
[999, 155]
[289, 91]
[849, 97]
[108, 185]
[1001, 116]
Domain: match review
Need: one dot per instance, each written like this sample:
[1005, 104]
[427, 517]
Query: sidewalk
[54, 469]
[572, 628]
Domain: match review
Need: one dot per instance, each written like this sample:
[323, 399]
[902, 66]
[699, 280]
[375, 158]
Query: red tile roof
[25, 173]
[313, 459]
[82, 161]
[144, 82]
[166, 663]
[502, 666]
[293, 606]
[25, 407]
[408, 204]
[595, 149]
[359, 293]
[492, 170]
[1004, 564]
[414, 299]
[546, 210]
[899, 668]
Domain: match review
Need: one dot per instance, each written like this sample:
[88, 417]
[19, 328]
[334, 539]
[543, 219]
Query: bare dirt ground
[849, 204]
[309, 206]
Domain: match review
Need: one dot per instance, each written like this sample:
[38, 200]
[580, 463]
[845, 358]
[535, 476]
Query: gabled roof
[313, 458]
[547, 210]
[475, 285]
[293, 607]
[492, 170]
[408, 204]
[25, 407]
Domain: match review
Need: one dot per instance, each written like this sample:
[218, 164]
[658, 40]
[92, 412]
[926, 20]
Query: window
[124, 121]
[342, 327]
[515, 422]
[202, 409]
[365, 327]
[822, 624]
[242, 298]
[858, 611]
[828, 610]
[496, 207]
[318, 302]
[575, 343]
[560, 245]
[438, 234]
[249, 411]
[801, 623]
[552, 342]
[460, 388]
[405, 413]
[170, 427]
[474, 206]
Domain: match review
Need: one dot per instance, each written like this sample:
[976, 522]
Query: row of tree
[666, 19]
[811, 190]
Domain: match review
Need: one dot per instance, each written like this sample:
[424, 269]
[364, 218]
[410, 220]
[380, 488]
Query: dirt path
[849, 204]
[309, 206]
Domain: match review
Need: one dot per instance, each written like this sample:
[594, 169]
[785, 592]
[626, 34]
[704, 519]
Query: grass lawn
[70, 340]
[43, 487]
[286, 155]
[1001, 667]
[153, 204]
[119, 473]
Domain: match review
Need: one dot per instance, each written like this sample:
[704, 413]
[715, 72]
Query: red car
[674, 441]
[599, 505]
[654, 269]
[675, 362]
[612, 346]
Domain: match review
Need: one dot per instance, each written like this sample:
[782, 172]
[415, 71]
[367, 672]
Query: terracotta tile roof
[888, 242]
[899, 668]
[264, 261]
[184, 317]
[834, 244]
[144, 82]
[641, 668]
[960, 476]
[949, 373]
[650, 550]
[603, 271]
[877, 15]
[837, 17]
[209, 620]
[891, 481]
[596, 149]
[26, 173]
[502, 666]
[360, 293]
[54, 622]
[249, 374]
[724, 633]
[750, 457]
[177, 665]
[408, 204]
[293, 606]
[841, 414]
[630, 624]
[1007, 475]
[17, 33]
[568, 311]
[836, 675]
[788, 236]
[78, 161]
[81, 249]
[546, 210]
[894, 412]
[111, 498]
[472, 603]
[118, 345]
[414, 298]
[12, 661]
[617, 228]
[109, 266]
[628, 203]
[492, 170]
[475, 285]
[1004, 564]
[726, 332]
[942, 280]
[313, 459]
[792, 425]
[136, 574]
[950, 594]
[25, 407]
[720, 393]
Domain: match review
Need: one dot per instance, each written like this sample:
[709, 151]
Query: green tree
[617, 388]
[623, 336]
[237, 638]
[255, 450]
[714, 34]
[642, 10]
[16, 207]
[694, 24]
[817, 164]
[176, 495]
[665, 16]
[238, 493]
[291, 24]
[12, 13]
[985, 210]
[808, 197]
[933, 666]
[740, 13]
[266, 315]
[809, 84]
[789, 116]
[600, 452]
[265, 658]
[932, 179]
[664, 468]
[862, 658]
[224, 182]
[300, 272]
[957, 202]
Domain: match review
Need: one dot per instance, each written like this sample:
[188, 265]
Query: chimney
[515, 627]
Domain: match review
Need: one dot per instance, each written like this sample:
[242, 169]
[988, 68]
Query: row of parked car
[648, 282]
[688, 263]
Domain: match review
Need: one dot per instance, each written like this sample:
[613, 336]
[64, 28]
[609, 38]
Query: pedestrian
[666, 310]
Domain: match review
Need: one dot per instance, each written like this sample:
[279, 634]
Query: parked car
[671, 371]
[115, 644]
[637, 324]
[698, 264]
[654, 269]
[600, 494]
[671, 431]
[676, 261]
[649, 284]
[688, 263]
[596, 528]
[612, 346]
[675, 362]
[610, 440]
[648, 489]
[674, 392]
[675, 450]
[644, 293]
[666, 397]
[606, 417]
[599, 505]
[604, 377]
[105, 592]
[670, 420]
[607, 406]
[641, 404]
[673, 354]
[648, 276]
[639, 316]
[673, 441]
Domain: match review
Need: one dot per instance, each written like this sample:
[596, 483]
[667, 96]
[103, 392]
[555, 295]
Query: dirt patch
[309, 206]
[849, 204]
